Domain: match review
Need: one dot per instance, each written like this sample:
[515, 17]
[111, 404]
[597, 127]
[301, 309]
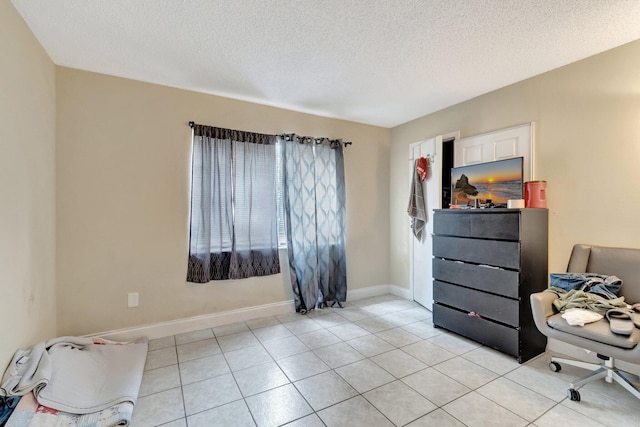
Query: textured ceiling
[381, 62]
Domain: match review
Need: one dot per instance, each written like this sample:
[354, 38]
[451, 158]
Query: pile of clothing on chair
[586, 297]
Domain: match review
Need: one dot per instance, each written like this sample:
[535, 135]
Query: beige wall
[123, 158]
[587, 147]
[27, 187]
[119, 198]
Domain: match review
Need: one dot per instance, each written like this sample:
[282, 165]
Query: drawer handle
[474, 314]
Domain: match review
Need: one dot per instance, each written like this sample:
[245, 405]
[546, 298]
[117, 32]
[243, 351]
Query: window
[234, 230]
[282, 224]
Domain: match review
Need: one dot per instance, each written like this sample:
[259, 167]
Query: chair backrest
[621, 262]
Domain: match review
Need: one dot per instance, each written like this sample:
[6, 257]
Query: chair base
[606, 370]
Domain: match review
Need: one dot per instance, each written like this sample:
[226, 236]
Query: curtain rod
[192, 124]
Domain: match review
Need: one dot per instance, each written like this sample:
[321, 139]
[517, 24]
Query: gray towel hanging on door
[417, 209]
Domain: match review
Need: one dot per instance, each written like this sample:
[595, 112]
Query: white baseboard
[400, 292]
[368, 292]
[374, 291]
[173, 327]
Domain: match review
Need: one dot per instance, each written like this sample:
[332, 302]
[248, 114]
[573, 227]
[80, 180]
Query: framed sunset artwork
[497, 181]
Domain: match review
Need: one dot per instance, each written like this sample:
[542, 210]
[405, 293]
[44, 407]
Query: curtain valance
[333, 143]
[233, 135]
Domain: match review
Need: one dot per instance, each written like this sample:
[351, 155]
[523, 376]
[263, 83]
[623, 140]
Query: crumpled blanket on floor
[78, 375]
[29, 413]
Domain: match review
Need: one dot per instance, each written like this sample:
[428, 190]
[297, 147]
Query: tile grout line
[184, 403]
[243, 398]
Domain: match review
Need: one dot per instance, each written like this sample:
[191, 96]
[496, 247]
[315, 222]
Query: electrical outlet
[133, 299]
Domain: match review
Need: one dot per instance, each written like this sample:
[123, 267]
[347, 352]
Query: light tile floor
[376, 362]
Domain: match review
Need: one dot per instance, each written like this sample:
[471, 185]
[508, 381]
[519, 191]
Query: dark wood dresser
[486, 264]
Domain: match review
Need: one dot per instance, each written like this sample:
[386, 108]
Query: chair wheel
[555, 366]
[574, 395]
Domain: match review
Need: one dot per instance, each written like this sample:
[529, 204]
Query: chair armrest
[542, 308]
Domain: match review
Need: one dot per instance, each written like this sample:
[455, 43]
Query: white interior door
[421, 251]
[499, 145]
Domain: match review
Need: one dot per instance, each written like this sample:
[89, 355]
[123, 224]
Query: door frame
[500, 144]
[436, 156]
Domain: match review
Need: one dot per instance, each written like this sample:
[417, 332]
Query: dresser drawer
[494, 307]
[500, 337]
[486, 224]
[452, 224]
[503, 226]
[491, 252]
[495, 280]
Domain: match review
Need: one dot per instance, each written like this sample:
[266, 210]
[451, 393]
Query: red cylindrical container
[535, 194]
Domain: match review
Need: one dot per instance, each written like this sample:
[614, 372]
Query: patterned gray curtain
[314, 206]
[233, 205]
